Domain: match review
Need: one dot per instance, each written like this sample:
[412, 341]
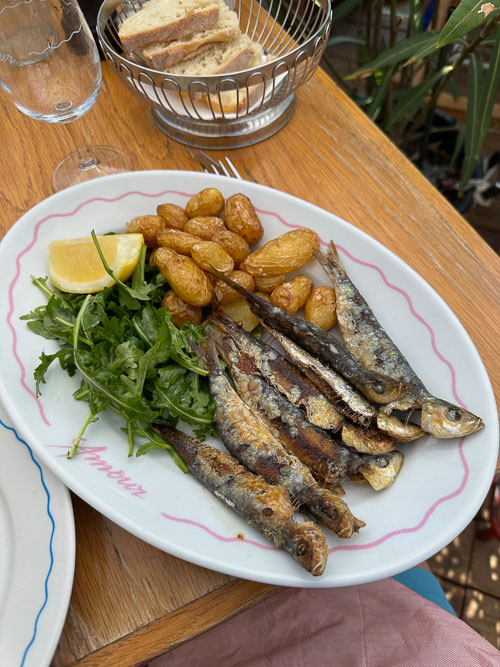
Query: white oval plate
[37, 554]
[441, 485]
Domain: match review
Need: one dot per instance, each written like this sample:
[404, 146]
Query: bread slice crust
[161, 20]
[164, 54]
[233, 56]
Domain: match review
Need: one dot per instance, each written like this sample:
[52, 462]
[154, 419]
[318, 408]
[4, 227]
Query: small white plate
[439, 489]
[37, 554]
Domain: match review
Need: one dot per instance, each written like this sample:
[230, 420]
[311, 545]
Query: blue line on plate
[40, 611]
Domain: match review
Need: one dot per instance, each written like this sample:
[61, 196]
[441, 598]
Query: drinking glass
[50, 66]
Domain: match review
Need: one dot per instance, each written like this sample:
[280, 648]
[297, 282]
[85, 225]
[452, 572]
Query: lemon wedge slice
[75, 265]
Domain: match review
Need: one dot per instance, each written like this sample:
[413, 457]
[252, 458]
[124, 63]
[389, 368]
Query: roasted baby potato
[240, 217]
[210, 255]
[291, 296]
[204, 226]
[320, 307]
[159, 257]
[283, 254]
[267, 285]
[184, 276]
[233, 244]
[209, 201]
[240, 312]
[223, 293]
[148, 226]
[174, 217]
[180, 241]
[180, 310]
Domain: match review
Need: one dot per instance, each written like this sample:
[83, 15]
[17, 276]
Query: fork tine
[209, 165]
[235, 173]
[224, 169]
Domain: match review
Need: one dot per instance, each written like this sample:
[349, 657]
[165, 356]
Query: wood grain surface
[130, 601]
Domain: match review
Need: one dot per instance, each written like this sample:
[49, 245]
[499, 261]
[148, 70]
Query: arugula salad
[131, 357]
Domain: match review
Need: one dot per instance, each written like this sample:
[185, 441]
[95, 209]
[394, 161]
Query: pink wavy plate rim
[352, 547]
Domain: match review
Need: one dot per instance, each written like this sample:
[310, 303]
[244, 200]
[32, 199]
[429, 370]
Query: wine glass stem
[87, 159]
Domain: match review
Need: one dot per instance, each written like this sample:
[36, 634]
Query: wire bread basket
[196, 110]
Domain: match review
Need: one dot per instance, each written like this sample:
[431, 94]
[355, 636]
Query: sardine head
[446, 420]
[382, 471]
[309, 548]
[382, 389]
[395, 428]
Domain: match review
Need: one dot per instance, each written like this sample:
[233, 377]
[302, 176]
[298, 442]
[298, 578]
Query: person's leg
[421, 580]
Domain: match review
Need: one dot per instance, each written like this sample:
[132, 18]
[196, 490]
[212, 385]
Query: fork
[223, 167]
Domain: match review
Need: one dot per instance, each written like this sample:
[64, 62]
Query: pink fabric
[383, 624]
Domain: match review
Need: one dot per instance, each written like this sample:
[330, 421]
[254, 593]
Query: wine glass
[50, 66]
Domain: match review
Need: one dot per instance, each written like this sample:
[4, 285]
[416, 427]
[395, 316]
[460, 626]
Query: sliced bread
[229, 102]
[163, 54]
[160, 20]
[221, 58]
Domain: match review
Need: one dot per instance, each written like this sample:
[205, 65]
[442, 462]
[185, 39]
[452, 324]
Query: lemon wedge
[75, 265]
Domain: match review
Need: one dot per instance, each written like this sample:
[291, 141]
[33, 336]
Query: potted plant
[405, 62]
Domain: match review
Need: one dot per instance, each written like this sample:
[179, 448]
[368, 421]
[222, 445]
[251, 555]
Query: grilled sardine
[252, 443]
[264, 506]
[374, 385]
[346, 399]
[283, 375]
[329, 461]
[368, 342]
[349, 402]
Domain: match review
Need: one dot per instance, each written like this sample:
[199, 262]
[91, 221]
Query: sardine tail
[209, 354]
[334, 260]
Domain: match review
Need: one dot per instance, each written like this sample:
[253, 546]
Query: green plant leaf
[345, 39]
[452, 88]
[473, 119]
[426, 50]
[481, 99]
[415, 17]
[467, 16]
[399, 53]
[489, 41]
[411, 98]
[491, 85]
[459, 143]
[376, 105]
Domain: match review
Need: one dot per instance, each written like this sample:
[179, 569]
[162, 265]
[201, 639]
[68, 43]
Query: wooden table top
[131, 602]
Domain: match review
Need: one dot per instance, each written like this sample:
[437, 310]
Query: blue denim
[425, 584]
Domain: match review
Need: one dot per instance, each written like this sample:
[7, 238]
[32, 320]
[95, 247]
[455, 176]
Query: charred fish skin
[329, 461]
[248, 439]
[364, 336]
[379, 429]
[374, 385]
[283, 375]
[367, 340]
[264, 506]
[347, 400]
[350, 402]
[329, 389]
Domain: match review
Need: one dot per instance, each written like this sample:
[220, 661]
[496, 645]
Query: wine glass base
[106, 160]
